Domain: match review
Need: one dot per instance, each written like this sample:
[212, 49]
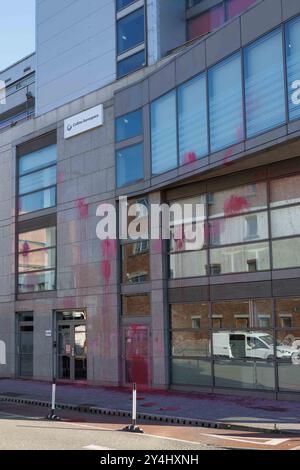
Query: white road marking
[250, 440]
[94, 447]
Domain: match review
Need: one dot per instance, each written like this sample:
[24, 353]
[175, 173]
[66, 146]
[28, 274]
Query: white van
[240, 344]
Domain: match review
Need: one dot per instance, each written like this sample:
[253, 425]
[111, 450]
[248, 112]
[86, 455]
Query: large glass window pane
[239, 229]
[191, 343]
[131, 64]
[163, 133]
[293, 67]
[286, 253]
[287, 313]
[37, 239]
[258, 345]
[190, 316]
[188, 264]
[233, 201]
[37, 160]
[264, 82]
[36, 282]
[285, 191]
[37, 201]
[37, 260]
[248, 374]
[241, 258]
[206, 22]
[136, 305]
[135, 262]
[129, 126]
[236, 7]
[192, 119]
[131, 30]
[130, 165]
[242, 314]
[288, 347]
[225, 103]
[124, 3]
[192, 371]
[37, 180]
[285, 222]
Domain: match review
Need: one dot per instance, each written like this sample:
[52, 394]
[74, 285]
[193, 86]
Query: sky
[17, 30]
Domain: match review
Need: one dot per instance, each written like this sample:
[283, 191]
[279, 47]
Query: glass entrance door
[25, 345]
[71, 350]
[136, 363]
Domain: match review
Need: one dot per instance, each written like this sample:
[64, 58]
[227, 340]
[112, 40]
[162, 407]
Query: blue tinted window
[129, 126]
[124, 3]
[130, 165]
[226, 103]
[264, 82]
[131, 30]
[37, 160]
[163, 133]
[37, 201]
[293, 67]
[37, 180]
[131, 64]
[192, 120]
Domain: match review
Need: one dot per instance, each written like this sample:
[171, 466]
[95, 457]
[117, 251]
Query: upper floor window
[293, 67]
[129, 126]
[124, 3]
[37, 180]
[264, 83]
[131, 31]
[130, 167]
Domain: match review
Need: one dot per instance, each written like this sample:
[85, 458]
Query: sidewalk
[205, 408]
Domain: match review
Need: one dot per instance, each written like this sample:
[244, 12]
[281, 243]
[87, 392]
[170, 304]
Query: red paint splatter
[228, 154]
[25, 249]
[69, 302]
[148, 405]
[83, 207]
[189, 157]
[235, 205]
[106, 270]
[157, 246]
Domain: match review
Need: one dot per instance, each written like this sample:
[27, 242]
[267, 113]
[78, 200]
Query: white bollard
[133, 427]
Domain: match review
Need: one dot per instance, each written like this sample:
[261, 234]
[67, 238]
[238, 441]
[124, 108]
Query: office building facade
[162, 102]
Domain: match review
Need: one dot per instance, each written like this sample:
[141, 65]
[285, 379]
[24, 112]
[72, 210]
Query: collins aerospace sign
[83, 122]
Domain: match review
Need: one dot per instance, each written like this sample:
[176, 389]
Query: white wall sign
[48, 333]
[83, 122]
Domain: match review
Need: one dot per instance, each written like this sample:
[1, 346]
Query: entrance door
[71, 350]
[25, 345]
[136, 345]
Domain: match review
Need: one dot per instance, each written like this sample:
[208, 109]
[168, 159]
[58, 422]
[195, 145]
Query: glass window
[184, 316]
[242, 314]
[138, 214]
[206, 22]
[192, 119]
[163, 133]
[236, 7]
[285, 222]
[264, 83]
[288, 359]
[191, 343]
[286, 253]
[287, 312]
[188, 264]
[285, 191]
[225, 103]
[248, 374]
[129, 126]
[239, 229]
[37, 171]
[135, 262]
[191, 371]
[131, 64]
[124, 3]
[242, 258]
[136, 305]
[131, 31]
[130, 167]
[293, 67]
[239, 200]
[37, 260]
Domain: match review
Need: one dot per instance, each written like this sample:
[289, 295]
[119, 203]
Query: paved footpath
[234, 410]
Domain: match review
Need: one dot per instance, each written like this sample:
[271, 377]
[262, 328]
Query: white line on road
[249, 440]
[94, 447]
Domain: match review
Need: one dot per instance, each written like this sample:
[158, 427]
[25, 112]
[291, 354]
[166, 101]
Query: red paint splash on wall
[25, 249]
[83, 207]
[189, 157]
[235, 205]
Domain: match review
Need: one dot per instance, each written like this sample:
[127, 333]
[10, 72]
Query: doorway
[24, 355]
[71, 345]
[136, 355]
